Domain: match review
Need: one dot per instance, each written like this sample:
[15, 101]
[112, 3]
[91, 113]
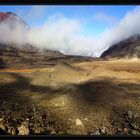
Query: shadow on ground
[105, 92]
[2, 64]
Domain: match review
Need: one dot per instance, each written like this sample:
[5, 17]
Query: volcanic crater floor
[83, 98]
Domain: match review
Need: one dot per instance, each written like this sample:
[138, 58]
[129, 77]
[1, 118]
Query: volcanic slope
[128, 48]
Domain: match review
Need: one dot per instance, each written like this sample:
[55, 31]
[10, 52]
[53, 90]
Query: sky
[98, 17]
[83, 29]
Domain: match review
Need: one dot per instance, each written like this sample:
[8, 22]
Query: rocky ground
[87, 98]
[35, 120]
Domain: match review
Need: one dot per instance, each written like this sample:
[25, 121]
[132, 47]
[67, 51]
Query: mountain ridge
[127, 48]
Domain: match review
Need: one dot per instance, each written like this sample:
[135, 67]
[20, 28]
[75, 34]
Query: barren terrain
[72, 98]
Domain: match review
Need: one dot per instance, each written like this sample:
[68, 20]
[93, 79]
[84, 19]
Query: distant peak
[5, 16]
[11, 13]
[12, 18]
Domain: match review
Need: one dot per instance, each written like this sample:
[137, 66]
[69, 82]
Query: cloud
[13, 32]
[55, 33]
[127, 27]
[62, 33]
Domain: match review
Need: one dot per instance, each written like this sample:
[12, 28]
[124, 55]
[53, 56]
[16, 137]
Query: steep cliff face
[129, 48]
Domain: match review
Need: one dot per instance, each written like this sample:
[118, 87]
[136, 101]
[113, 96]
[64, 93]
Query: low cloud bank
[65, 34]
